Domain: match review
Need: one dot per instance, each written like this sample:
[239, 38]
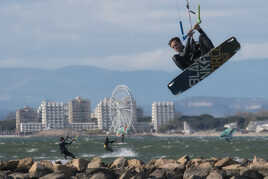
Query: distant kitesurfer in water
[63, 149]
[192, 50]
[123, 138]
[107, 145]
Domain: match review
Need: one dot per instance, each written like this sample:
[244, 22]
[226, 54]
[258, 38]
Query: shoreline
[209, 133]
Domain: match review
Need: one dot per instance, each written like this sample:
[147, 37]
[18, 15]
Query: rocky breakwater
[122, 168]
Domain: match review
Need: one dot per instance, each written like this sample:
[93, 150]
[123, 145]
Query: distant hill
[20, 87]
[219, 106]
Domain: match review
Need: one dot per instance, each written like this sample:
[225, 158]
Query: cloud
[159, 59]
[120, 34]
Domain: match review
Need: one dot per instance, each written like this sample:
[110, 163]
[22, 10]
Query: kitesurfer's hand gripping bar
[198, 22]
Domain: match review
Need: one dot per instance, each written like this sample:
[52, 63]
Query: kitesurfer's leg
[71, 154]
[109, 149]
[65, 156]
[67, 153]
[205, 43]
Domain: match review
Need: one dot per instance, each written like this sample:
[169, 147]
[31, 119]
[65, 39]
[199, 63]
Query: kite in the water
[227, 134]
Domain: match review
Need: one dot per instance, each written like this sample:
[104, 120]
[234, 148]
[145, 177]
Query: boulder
[202, 170]
[68, 171]
[100, 176]
[24, 164]
[150, 165]
[260, 166]
[216, 174]
[119, 163]
[158, 173]
[54, 176]
[173, 166]
[162, 161]
[101, 172]
[138, 165]
[128, 174]
[194, 162]
[9, 165]
[41, 168]
[250, 173]
[4, 174]
[233, 170]
[95, 163]
[19, 176]
[184, 159]
[79, 164]
[224, 162]
[3, 165]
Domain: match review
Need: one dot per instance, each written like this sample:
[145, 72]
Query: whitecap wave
[32, 150]
[122, 152]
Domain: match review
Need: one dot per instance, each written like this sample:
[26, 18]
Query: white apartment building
[103, 114]
[257, 126]
[78, 110]
[30, 127]
[54, 114]
[25, 115]
[162, 113]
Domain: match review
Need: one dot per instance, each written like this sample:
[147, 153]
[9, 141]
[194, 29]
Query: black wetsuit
[192, 50]
[64, 150]
[107, 144]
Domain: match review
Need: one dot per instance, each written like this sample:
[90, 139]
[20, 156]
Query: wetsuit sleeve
[187, 49]
[183, 59]
[179, 61]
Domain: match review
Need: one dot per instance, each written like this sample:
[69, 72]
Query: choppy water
[143, 148]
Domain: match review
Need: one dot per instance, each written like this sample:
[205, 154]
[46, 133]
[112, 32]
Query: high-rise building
[103, 114]
[162, 113]
[25, 115]
[54, 115]
[79, 110]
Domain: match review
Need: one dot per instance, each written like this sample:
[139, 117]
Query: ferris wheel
[122, 110]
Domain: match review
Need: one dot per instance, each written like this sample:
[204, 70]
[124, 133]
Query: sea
[144, 148]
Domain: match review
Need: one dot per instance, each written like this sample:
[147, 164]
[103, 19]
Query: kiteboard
[204, 66]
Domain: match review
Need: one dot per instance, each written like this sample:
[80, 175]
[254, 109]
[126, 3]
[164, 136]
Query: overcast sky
[120, 34]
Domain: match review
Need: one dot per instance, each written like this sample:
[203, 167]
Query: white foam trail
[32, 150]
[123, 152]
[157, 157]
[87, 155]
[41, 157]
[63, 161]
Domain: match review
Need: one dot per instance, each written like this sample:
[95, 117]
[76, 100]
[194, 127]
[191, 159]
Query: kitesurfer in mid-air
[63, 149]
[192, 50]
[107, 145]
